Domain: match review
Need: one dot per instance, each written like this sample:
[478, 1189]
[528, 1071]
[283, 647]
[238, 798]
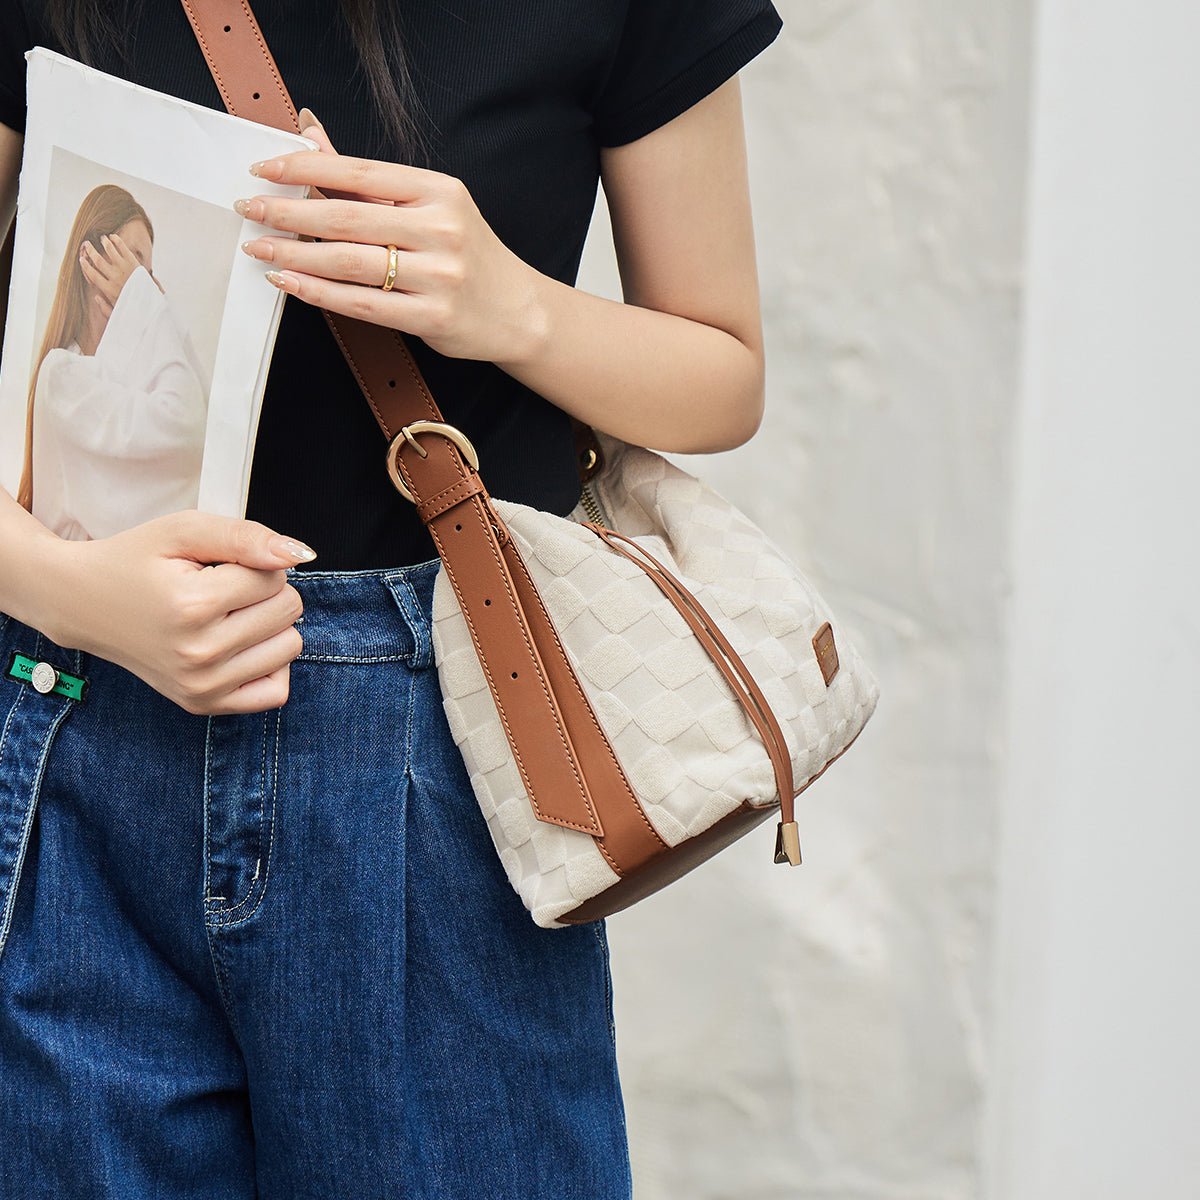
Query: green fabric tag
[74, 687]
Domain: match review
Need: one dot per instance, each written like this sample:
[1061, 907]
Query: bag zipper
[592, 506]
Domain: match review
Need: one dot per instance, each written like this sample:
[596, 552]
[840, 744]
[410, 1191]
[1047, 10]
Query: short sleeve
[673, 53]
[15, 39]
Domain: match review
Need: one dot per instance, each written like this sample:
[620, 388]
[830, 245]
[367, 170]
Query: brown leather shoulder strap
[251, 86]
[470, 537]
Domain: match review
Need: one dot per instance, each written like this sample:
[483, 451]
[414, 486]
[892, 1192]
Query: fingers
[347, 261]
[120, 252]
[244, 671]
[401, 183]
[101, 265]
[90, 273]
[395, 309]
[310, 127]
[104, 296]
[341, 220]
[232, 586]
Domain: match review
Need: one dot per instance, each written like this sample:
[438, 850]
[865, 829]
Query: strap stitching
[269, 60]
[588, 707]
[212, 63]
[515, 607]
[362, 383]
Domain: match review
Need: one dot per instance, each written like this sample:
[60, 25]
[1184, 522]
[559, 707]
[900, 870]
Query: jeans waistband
[372, 615]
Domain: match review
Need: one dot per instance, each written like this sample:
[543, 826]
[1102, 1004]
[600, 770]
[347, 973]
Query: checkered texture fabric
[687, 747]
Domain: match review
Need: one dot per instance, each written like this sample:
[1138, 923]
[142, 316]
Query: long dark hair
[89, 29]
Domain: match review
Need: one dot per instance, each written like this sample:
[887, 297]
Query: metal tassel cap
[787, 843]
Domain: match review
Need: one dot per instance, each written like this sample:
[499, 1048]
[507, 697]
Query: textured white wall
[1097, 1031]
[822, 1031]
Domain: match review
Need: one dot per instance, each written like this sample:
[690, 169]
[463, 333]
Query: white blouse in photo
[118, 436]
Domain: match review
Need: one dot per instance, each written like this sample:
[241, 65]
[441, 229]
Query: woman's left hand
[457, 286]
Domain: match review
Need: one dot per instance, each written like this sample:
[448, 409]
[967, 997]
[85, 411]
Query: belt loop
[415, 617]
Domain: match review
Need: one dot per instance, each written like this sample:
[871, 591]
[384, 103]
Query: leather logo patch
[827, 655]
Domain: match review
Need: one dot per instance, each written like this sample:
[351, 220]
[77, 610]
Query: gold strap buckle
[457, 436]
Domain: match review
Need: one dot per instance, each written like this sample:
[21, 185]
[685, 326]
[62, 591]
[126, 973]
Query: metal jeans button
[43, 677]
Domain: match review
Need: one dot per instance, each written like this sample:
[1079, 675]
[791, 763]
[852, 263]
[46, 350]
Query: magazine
[139, 335]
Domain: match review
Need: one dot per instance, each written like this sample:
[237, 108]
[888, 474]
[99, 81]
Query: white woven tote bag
[686, 743]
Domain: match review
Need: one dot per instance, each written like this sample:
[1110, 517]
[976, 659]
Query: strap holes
[256, 95]
[514, 674]
[487, 602]
[228, 28]
[457, 526]
[391, 383]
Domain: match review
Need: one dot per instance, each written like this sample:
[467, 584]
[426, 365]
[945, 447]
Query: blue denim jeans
[275, 954]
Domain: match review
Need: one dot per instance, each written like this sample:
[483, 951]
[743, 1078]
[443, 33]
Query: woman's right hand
[109, 272]
[197, 605]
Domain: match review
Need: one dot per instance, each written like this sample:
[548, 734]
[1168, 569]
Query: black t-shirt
[521, 97]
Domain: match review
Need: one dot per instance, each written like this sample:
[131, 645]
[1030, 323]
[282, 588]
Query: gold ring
[392, 268]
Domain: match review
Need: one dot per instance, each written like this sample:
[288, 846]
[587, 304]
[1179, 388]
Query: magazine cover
[139, 335]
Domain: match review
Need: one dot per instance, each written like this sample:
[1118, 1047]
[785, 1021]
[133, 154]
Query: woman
[264, 945]
[117, 412]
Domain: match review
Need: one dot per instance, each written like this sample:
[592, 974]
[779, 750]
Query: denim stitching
[406, 569]
[21, 693]
[207, 791]
[262, 787]
[262, 891]
[412, 703]
[421, 628]
[10, 900]
[220, 974]
[353, 658]
[598, 929]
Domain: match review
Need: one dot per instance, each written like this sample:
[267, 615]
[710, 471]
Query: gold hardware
[588, 457]
[457, 436]
[590, 505]
[787, 843]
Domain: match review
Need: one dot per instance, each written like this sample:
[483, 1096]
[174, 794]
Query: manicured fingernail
[259, 248]
[306, 119]
[289, 283]
[281, 545]
[270, 168]
[252, 210]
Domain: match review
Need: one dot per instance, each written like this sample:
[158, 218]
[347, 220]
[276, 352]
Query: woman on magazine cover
[255, 938]
[117, 410]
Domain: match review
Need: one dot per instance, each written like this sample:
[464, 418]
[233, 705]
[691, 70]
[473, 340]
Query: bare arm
[689, 374]
[677, 366]
[26, 545]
